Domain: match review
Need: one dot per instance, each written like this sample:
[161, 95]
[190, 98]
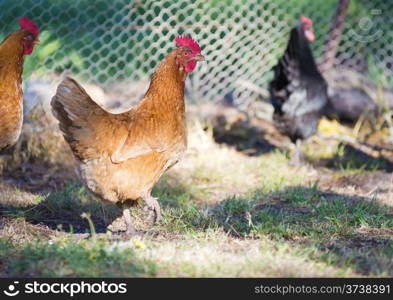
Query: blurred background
[234, 205]
[116, 45]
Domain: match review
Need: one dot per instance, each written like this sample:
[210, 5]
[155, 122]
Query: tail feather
[78, 115]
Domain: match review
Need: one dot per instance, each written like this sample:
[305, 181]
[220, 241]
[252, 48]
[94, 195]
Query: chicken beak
[199, 57]
[37, 41]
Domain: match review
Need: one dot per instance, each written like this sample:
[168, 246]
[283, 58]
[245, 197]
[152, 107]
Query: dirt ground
[234, 206]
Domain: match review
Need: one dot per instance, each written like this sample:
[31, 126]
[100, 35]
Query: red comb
[28, 25]
[186, 41]
[305, 20]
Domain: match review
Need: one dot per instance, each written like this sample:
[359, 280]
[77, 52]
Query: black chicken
[298, 91]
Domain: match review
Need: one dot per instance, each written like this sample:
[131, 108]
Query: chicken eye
[29, 38]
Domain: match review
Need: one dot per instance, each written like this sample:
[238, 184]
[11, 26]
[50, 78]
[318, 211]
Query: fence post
[334, 36]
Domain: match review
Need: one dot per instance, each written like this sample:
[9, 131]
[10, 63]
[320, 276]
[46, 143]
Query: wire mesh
[117, 44]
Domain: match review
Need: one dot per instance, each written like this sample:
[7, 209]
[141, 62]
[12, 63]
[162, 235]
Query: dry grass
[217, 254]
[230, 209]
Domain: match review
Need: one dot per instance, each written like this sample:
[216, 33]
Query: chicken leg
[298, 158]
[130, 230]
[153, 204]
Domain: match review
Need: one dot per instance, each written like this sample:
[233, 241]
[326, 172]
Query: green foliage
[378, 73]
[87, 37]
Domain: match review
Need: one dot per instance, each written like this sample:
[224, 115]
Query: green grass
[63, 209]
[225, 214]
[351, 161]
[65, 258]
[322, 234]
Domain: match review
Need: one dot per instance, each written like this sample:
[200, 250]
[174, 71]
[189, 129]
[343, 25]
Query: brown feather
[11, 95]
[122, 156]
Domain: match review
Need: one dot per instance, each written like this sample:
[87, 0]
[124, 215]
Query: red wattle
[190, 66]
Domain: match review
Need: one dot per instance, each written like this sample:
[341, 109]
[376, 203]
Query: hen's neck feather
[166, 90]
[299, 49]
[11, 60]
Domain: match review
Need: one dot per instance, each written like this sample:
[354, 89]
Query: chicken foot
[153, 204]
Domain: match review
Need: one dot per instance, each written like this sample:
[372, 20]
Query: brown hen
[122, 156]
[12, 52]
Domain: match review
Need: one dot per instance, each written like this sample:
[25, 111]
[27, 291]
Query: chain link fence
[117, 44]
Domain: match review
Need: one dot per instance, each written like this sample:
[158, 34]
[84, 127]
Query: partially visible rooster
[12, 53]
[298, 91]
[122, 156]
[353, 97]
[350, 104]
